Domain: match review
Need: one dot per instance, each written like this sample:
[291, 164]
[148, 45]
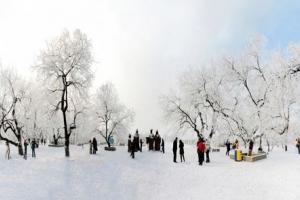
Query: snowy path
[152, 175]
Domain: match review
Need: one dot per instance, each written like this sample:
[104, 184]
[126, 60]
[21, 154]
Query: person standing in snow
[157, 141]
[236, 144]
[129, 143]
[136, 141]
[181, 150]
[95, 146]
[207, 151]
[298, 145]
[151, 140]
[33, 146]
[91, 147]
[200, 150]
[7, 154]
[132, 149]
[175, 150]
[25, 149]
[141, 145]
[162, 145]
[251, 143]
[227, 144]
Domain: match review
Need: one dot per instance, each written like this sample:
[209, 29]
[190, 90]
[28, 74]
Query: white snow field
[152, 175]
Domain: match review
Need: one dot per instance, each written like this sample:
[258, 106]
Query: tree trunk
[67, 150]
[67, 147]
[20, 147]
[198, 133]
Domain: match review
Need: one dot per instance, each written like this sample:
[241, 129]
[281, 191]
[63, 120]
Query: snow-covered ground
[152, 175]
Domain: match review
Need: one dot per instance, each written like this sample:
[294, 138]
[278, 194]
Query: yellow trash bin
[239, 155]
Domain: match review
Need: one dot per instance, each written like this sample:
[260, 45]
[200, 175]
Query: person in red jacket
[200, 150]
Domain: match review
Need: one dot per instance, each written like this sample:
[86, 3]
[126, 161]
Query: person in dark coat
[151, 140]
[200, 150]
[298, 145]
[157, 140]
[25, 149]
[227, 144]
[95, 146]
[141, 146]
[136, 141]
[251, 143]
[33, 146]
[129, 143]
[132, 149]
[162, 145]
[181, 150]
[175, 149]
[91, 147]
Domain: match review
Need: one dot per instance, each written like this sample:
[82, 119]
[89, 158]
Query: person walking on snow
[95, 146]
[141, 146]
[251, 143]
[181, 150]
[207, 151]
[175, 150]
[227, 144]
[162, 145]
[25, 149]
[298, 145]
[129, 143]
[91, 147]
[33, 146]
[132, 149]
[151, 140]
[200, 150]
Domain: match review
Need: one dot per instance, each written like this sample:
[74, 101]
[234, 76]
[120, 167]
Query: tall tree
[66, 67]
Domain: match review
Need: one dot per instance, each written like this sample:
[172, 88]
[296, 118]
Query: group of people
[26, 142]
[181, 150]
[135, 144]
[236, 145]
[93, 146]
[155, 142]
[203, 148]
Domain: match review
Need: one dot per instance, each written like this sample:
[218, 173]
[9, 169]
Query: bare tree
[112, 116]
[66, 67]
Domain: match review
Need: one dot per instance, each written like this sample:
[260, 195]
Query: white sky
[141, 46]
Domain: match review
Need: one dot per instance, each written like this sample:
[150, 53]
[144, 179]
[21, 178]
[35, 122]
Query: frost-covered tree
[248, 96]
[113, 117]
[65, 65]
[13, 107]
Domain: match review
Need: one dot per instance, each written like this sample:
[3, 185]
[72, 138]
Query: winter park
[128, 99]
